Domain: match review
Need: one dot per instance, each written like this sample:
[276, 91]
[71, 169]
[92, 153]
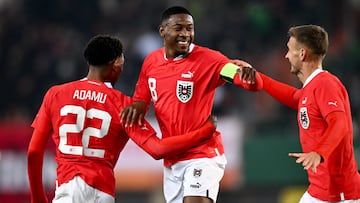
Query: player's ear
[303, 53]
[161, 31]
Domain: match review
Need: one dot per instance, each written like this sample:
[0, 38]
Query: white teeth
[183, 43]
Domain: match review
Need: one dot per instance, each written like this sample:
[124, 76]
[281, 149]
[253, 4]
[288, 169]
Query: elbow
[156, 156]
[152, 146]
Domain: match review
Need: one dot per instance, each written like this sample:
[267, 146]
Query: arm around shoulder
[161, 148]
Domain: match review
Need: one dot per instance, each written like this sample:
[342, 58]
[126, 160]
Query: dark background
[41, 44]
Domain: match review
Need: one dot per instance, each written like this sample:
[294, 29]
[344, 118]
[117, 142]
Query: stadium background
[41, 44]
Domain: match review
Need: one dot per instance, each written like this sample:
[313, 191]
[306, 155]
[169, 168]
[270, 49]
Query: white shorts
[307, 198]
[196, 177]
[76, 190]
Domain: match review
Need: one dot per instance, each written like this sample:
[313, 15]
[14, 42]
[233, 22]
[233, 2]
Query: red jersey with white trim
[319, 97]
[182, 91]
[84, 118]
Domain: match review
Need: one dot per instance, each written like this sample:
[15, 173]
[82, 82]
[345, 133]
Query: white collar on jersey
[312, 75]
[108, 84]
[183, 55]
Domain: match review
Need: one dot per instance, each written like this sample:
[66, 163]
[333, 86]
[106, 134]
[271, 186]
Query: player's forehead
[180, 19]
[292, 42]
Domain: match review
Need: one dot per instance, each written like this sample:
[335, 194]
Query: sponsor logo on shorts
[197, 172]
[197, 185]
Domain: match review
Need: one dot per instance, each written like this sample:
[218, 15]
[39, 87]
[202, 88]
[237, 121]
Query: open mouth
[183, 44]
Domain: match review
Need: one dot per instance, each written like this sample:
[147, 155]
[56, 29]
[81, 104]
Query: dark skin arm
[247, 72]
[133, 113]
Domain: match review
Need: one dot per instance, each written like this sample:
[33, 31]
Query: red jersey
[182, 91]
[337, 176]
[90, 136]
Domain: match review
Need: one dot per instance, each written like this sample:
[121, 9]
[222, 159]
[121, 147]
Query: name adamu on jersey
[90, 95]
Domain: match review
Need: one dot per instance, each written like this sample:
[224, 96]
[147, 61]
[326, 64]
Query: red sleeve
[160, 148]
[334, 133]
[258, 85]
[35, 157]
[42, 120]
[284, 93]
[142, 92]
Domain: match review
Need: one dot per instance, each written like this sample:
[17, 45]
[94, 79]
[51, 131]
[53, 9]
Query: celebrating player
[324, 119]
[84, 118]
[180, 79]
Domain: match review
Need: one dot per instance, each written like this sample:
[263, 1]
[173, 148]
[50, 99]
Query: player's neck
[309, 68]
[95, 74]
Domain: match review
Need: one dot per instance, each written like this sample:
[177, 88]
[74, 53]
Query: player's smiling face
[178, 34]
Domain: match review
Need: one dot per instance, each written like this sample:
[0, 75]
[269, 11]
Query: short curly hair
[102, 49]
[173, 11]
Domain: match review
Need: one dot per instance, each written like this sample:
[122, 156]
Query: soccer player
[83, 117]
[180, 79]
[324, 119]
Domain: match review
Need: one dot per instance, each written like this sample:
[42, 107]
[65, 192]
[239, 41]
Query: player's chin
[183, 50]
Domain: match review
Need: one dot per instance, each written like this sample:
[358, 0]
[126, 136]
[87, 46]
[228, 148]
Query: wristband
[228, 72]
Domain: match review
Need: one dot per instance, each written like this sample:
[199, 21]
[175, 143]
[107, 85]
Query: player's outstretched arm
[35, 157]
[162, 148]
[133, 114]
[282, 92]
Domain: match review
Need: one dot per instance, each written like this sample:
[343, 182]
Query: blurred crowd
[41, 44]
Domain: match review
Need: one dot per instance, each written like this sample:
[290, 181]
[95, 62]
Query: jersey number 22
[83, 114]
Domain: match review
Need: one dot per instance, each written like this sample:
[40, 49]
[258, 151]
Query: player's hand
[133, 113]
[213, 119]
[308, 160]
[246, 72]
[240, 63]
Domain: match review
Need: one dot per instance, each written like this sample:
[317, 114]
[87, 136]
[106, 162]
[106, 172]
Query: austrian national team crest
[304, 118]
[184, 90]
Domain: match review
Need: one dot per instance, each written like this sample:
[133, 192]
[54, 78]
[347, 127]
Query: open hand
[308, 160]
[133, 113]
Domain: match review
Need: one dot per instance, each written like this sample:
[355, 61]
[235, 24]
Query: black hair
[172, 11]
[102, 49]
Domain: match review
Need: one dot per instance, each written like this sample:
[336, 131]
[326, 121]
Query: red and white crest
[184, 90]
[304, 118]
